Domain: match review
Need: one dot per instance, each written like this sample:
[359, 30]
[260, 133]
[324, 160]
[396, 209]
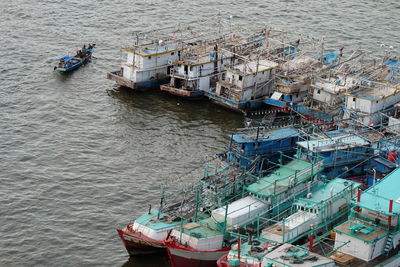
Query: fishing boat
[367, 105]
[324, 100]
[203, 242]
[68, 63]
[294, 78]
[200, 66]
[250, 150]
[196, 72]
[324, 204]
[260, 144]
[146, 233]
[372, 229]
[340, 153]
[244, 85]
[147, 64]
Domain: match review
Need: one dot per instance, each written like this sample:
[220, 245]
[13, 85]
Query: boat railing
[292, 178]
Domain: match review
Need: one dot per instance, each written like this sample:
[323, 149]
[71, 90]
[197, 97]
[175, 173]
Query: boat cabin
[373, 228]
[367, 105]
[147, 65]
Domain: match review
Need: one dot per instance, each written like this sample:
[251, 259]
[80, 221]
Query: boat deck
[362, 230]
[296, 171]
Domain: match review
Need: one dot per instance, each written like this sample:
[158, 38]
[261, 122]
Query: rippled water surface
[80, 156]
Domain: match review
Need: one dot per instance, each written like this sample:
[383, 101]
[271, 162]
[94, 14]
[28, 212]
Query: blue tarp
[329, 58]
[66, 58]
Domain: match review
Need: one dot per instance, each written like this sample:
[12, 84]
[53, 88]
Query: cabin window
[297, 95]
[354, 99]
[173, 53]
[319, 91]
[240, 78]
[376, 101]
[149, 57]
[191, 68]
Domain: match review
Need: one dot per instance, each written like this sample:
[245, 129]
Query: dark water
[81, 157]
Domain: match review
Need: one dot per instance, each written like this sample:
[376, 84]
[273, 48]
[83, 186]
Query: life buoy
[170, 62]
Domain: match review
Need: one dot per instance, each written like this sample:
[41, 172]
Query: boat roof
[250, 68]
[333, 143]
[153, 49]
[378, 197]
[378, 92]
[335, 85]
[294, 172]
[286, 253]
[150, 220]
[265, 135]
[202, 229]
[66, 58]
[326, 191]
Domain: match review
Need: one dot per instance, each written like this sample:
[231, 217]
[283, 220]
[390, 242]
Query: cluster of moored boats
[312, 180]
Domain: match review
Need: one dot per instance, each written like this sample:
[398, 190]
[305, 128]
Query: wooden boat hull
[137, 244]
[190, 94]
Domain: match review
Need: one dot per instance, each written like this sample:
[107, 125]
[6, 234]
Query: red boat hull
[181, 256]
[138, 244]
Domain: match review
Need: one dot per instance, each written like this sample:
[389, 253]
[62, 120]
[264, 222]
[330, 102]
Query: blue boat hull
[75, 62]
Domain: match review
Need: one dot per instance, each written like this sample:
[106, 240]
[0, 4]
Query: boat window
[173, 53]
[240, 77]
[191, 68]
[149, 57]
[354, 99]
[319, 91]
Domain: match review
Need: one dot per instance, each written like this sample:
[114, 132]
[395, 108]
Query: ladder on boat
[388, 245]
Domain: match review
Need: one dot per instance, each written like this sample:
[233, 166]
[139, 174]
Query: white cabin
[196, 73]
[149, 62]
[328, 91]
[146, 65]
[247, 81]
[368, 104]
[325, 203]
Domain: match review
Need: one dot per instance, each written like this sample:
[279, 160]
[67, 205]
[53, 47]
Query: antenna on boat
[161, 202]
